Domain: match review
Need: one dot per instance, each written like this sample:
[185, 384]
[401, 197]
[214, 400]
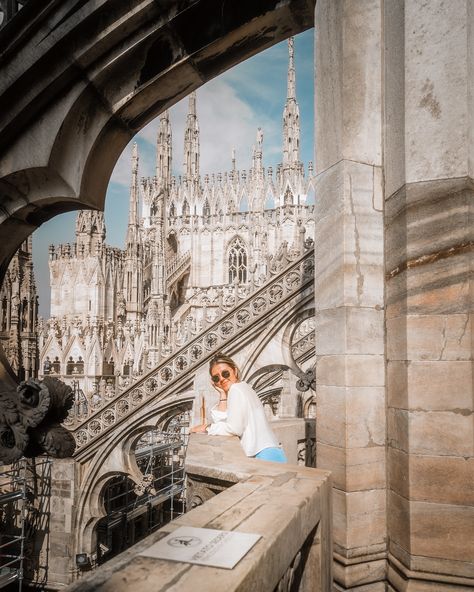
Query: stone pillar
[62, 536]
[349, 284]
[429, 293]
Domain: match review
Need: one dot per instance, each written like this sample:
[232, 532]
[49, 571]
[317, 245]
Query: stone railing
[177, 266]
[161, 379]
[288, 505]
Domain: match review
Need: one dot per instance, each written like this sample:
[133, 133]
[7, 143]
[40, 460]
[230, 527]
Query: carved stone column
[349, 286]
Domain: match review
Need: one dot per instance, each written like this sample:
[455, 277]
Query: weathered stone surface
[349, 260]
[353, 417]
[436, 530]
[431, 386]
[418, 477]
[359, 522]
[435, 433]
[353, 577]
[353, 469]
[351, 370]
[429, 337]
[350, 330]
[348, 125]
[248, 506]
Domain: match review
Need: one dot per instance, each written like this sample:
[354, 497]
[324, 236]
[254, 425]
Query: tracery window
[237, 261]
[206, 209]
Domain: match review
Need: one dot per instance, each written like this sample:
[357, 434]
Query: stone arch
[399, 164]
[91, 108]
[92, 513]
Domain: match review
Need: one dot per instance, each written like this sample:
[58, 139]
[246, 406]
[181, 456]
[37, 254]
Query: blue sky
[230, 108]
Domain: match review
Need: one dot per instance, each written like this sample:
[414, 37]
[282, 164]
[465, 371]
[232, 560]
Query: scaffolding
[23, 486]
[135, 510]
[13, 507]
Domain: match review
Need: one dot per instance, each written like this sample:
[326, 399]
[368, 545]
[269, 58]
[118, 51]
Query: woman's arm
[237, 410]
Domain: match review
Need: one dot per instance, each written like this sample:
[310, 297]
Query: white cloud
[226, 121]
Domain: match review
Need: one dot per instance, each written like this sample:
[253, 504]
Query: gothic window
[206, 209]
[237, 262]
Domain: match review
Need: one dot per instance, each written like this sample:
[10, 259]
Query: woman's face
[223, 376]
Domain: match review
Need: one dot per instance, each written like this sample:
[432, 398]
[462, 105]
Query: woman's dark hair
[221, 358]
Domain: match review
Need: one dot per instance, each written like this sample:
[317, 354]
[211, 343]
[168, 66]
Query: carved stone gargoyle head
[30, 420]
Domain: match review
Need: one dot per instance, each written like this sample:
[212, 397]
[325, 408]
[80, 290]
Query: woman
[240, 413]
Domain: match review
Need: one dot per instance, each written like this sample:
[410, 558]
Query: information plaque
[203, 546]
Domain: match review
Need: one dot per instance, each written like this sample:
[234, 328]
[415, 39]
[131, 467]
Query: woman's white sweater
[245, 418]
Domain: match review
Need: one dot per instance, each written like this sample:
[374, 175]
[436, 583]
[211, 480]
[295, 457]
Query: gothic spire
[132, 230]
[133, 256]
[291, 116]
[90, 231]
[191, 141]
[291, 92]
[164, 151]
[258, 163]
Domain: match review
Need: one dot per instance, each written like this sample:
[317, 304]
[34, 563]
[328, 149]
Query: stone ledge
[289, 505]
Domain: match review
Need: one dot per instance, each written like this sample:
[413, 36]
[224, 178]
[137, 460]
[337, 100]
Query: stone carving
[146, 485]
[307, 381]
[30, 419]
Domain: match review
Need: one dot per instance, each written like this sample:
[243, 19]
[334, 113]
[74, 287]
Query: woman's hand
[221, 391]
[199, 428]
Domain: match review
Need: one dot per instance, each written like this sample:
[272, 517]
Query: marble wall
[394, 142]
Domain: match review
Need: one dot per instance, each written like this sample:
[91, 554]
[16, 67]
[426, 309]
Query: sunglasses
[217, 377]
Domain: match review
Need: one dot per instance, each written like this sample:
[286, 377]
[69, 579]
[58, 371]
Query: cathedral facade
[19, 314]
[195, 246]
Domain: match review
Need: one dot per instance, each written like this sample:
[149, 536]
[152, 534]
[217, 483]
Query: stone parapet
[289, 505]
